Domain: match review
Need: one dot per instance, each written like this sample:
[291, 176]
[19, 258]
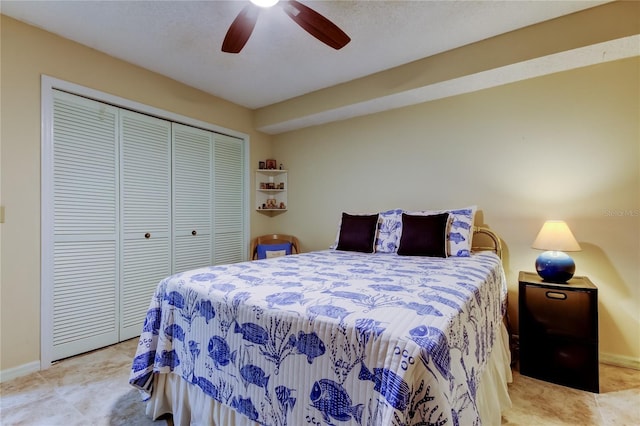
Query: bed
[332, 337]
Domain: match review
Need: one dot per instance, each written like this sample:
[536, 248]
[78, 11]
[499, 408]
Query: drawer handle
[193, 232]
[556, 295]
[147, 235]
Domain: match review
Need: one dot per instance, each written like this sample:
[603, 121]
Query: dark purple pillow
[358, 233]
[424, 235]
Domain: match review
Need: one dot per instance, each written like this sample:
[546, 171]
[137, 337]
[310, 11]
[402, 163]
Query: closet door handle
[193, 232]
[147, 235]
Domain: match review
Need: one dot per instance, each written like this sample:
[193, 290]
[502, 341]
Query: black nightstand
[559, 331]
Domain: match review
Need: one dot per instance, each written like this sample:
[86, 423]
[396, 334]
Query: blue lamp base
[555, 266]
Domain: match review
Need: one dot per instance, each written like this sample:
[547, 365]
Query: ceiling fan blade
[240, 29]
[316, 24]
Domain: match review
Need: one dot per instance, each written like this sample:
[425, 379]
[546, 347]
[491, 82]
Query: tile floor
[93, 389]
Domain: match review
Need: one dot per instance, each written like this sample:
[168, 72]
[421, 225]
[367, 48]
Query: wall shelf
[271, 190]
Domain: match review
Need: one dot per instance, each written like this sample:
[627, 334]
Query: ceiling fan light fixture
[264, 3]
[308, 19]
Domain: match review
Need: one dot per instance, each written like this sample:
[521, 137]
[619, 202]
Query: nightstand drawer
[567, 363]
[557, 312]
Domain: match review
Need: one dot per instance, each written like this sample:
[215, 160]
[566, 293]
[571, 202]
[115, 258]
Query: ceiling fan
[310, 20]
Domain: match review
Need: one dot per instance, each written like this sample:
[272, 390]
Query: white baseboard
[620, 360]
[19, 371]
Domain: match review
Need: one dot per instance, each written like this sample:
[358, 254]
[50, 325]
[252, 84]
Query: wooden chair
[274, 239]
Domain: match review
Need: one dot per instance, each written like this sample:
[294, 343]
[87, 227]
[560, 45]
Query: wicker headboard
[486, 239]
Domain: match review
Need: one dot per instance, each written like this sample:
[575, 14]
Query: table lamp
[554, 265]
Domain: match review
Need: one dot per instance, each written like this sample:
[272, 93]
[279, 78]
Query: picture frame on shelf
[262, 165]
[271, 164]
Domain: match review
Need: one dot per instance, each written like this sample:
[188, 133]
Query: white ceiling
[182, 39]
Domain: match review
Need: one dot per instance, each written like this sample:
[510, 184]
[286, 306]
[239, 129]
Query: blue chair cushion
[266, 251]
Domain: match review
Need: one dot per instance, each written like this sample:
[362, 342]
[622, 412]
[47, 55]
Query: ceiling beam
[569, 38]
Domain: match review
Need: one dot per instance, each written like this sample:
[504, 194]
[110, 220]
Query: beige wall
[563, 146]
[27, 53]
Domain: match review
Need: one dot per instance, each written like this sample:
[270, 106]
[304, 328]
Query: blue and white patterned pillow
[388, 236]
[460, 230]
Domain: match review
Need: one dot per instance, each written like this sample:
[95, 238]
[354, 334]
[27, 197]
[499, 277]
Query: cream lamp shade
[554, 265]
[555, 235]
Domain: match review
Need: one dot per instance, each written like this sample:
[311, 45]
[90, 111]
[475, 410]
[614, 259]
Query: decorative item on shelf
[281, 186]
[282, 206]
[262, 165]
[271, 164]
[555, 238]
[281, 168]
[271, 203]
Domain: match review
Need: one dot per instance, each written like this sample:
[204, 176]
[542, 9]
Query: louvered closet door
[192, 198]
[145, 173]
[229, 205]
[85, 198]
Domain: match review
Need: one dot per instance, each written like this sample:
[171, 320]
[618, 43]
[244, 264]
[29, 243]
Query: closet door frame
[48, 84]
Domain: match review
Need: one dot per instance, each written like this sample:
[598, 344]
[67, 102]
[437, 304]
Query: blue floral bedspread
[330, 337]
